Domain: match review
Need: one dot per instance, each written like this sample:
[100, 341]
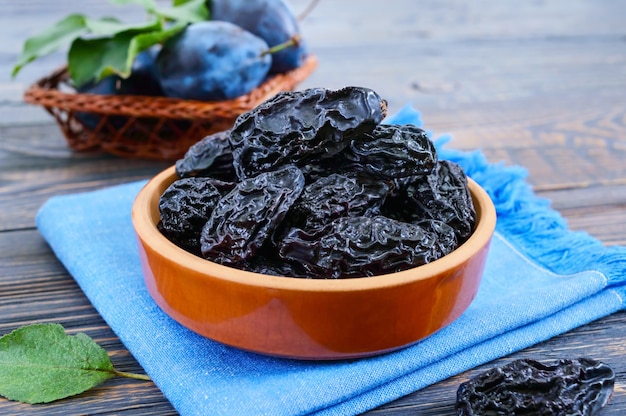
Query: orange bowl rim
[145, 228]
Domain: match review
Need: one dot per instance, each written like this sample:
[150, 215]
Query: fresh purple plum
[271, 20]
[212, 60]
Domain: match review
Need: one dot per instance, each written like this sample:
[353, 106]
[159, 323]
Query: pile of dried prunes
[312, 184]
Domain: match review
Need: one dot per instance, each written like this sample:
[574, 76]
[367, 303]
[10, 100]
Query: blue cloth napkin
[541, 280]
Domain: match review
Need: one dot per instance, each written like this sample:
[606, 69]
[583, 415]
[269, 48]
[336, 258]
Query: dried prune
[243, 219]
[272, 266]
[211, 156]
[185, 207]
[441, 195]
[293, 127]
[393, 151]
[337, 196]
[527, 387]
[364, 246]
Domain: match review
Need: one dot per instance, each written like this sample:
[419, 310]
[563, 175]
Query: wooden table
[541, 84]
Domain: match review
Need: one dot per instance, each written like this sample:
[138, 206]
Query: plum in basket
[212, 60]
[142, 81]
[271, 20]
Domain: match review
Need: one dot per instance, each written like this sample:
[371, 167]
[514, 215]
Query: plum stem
[292, 41]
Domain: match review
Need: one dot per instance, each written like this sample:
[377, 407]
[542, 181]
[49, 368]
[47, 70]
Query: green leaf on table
[39, 363]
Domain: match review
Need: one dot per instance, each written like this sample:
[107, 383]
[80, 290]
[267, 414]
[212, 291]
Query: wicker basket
[146, 127]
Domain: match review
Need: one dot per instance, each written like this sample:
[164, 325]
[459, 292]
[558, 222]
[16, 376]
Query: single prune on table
[271, 20]
[441, 195]
[212, 60]
[336, 196]
[565, 387]
[245, 218]
[392, 151]
[185, 207]
[296, 127]
[365, 246]
[211, 156]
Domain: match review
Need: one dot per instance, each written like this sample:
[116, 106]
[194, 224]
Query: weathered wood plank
[536, 84]
[35, 288]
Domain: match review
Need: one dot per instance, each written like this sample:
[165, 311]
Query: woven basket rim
[45, 92]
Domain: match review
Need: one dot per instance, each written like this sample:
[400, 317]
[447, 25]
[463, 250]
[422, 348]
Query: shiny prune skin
[336, 196]
[185, 207]
[210, 156]
[323, 190]
[365, 246]
[246, 217]
[211, 61]
[296, 127]
[392, 151]
[273, 266]
[442, 195]
[565, 387]
[271, 20]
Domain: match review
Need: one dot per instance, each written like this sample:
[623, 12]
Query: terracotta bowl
[308, 318]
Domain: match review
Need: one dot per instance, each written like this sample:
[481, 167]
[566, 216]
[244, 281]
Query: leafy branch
[106, 46]
[40, 363]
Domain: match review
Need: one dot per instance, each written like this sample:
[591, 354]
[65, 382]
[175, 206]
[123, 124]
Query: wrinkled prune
[294, 127]
[393, 151]
[337, 196]
[527, 387]
[272, 266]
[442, 195]
[211, 156]
[243, 219]
[364, 246]
[185, 207]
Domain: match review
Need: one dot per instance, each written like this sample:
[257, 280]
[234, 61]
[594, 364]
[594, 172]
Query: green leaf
[51, 39]
[111, 45]
[147, 4]
[143, 41]
[40, 363]
[94, 59]
[108, 26]
[71, 28]
[190, 11]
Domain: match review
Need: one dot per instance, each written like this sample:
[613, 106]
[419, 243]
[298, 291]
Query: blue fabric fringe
[527, 220]
[531, 225]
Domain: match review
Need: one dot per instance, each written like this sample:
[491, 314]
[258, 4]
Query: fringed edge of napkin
[531, 224]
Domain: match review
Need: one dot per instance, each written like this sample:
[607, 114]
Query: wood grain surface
[541, 84]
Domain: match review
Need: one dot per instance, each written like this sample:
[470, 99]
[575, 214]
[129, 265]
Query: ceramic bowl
[314, 319]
